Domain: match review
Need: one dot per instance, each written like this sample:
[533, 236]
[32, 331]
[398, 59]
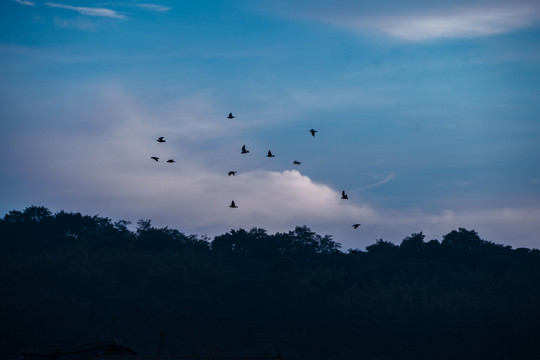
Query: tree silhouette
[66, 276]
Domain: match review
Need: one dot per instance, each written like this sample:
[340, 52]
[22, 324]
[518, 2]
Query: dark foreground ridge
[69, 278]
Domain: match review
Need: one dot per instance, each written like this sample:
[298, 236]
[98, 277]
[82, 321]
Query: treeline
[68, 278]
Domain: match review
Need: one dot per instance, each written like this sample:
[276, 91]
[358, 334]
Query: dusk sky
[428, 115]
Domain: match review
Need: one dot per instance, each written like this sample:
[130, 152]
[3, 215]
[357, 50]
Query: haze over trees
[69, 278]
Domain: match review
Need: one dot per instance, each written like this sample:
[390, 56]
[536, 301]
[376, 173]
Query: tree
[31, 213]
[413, 244]
[463, 239]
[382, 247]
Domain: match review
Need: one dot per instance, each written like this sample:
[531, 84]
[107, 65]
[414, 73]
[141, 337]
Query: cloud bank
[102, 166]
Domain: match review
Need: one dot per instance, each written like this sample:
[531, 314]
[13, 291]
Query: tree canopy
[73, 278]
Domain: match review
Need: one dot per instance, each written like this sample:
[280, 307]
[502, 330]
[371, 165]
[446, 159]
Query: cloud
[25, 2]
[89, 11]
[418, 20]
[154, 7]
[462, 23]
[107, 170]
[383, 181]
[507, 225]
[76, 23]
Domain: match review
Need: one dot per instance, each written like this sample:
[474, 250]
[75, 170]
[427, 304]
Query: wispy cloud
[25, 2]
[76, 23]
[89, 11]
[418, 20]
[383, 181]
[154, 7]
[462, 23]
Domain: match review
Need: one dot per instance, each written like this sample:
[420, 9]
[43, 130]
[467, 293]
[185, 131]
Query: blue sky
[428, 114]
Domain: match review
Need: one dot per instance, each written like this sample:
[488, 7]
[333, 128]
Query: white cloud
[416, 20]
[462, 23]
[105, 168]
[108, 170]
[154, 7]
[89, 11]
[25, 2]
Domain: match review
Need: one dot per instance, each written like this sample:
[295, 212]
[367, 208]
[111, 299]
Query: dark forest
[69, 278]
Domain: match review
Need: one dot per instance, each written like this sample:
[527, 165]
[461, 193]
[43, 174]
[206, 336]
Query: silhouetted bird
[312, 132]
[232, 173]
[233, 205]
[356, 226]
[270, 154]
[344, 196]
[154, 157]
[244, 151]
[161, 139]
[230, 116]
[170, 161]
[296, 162]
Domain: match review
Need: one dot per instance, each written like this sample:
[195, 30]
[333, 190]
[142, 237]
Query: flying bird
[230, 116]
[154, 157]
[313, 132]
[233, 205]
[233, 173]
[244, 151]
[344, 196]
[161, 139]
[356, 226]
[171, 161]
[270, 154]
[297, 162]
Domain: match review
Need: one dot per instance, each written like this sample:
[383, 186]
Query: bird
[154, 157]
[233, 173]
[244, 151]
[233, 205]
[344, 196]
[297, 162]
[230, 116]
[161, 139]
[356, 226]
[270, 154]
[171, 161]
[312, 132]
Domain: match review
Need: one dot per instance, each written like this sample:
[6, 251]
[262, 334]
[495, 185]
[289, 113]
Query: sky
[427, 112]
